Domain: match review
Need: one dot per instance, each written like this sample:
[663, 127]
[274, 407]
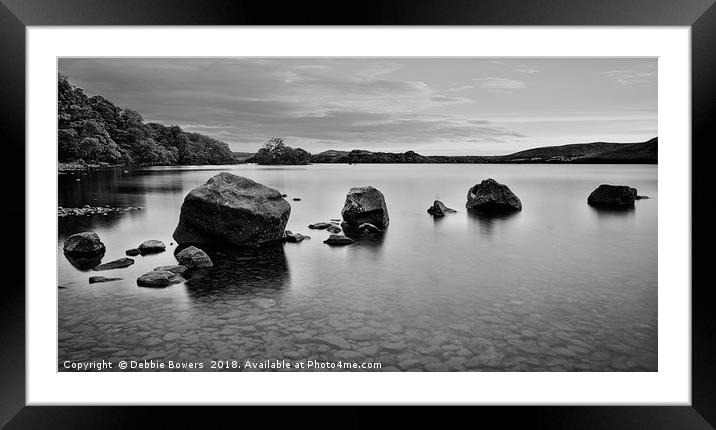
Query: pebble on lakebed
[93, 210]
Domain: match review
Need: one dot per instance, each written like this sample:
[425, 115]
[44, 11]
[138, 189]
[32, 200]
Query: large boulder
[232, 209]
[365, 205]
[193, 257]
[439, 209]
[84, 244]
[612, 195]
[491, 196]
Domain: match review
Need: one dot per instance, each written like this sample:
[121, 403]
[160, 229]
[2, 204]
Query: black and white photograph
[357, 214]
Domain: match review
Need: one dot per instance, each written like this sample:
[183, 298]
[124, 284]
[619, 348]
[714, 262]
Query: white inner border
[670, 385]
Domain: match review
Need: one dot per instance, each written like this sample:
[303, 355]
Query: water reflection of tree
[239, 272]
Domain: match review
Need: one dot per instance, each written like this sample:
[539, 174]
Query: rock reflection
[84, 263]
[239, 272]
[487, 220]
[606, 212]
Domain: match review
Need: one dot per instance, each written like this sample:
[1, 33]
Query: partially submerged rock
[491, 196]
[365, 205]
[232, 209]
[439, 209]
[151, 247]
[84, 244]
[193, 257]
[334, 229]
[319, 226]
[338, 240]
[177, 269]
[97, 279]
[159, 279]
[132, 252]
[612, 195]
[295, 237]
[84, 262]
[116, 264]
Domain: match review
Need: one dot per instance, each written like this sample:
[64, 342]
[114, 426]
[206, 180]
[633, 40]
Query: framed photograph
[409, 204]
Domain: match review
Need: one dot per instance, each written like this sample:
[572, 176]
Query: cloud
[629, 77]
[526, 70]
[500, 84]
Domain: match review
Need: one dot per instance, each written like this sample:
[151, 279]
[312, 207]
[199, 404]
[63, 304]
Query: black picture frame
[16, 15]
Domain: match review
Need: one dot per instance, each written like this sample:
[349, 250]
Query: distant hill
[597, 152]
[646, 153]
[241, 157]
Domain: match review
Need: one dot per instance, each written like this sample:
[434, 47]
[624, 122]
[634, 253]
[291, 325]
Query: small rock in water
[151, 247]
[439, 209]
[178, 269]
[96, 279]
[284, 195]
[491, 196]
[338, 240]
[295, 237]
[192, 257]
[296, 199]
[84, 244]
[319, 226]
[641, 197]
[158, 279]
[612, 195]
[116, 264]
[365, 205]
[334, 229]
[132, 252]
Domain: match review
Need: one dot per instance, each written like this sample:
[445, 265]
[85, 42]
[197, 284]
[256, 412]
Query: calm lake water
[560, 286]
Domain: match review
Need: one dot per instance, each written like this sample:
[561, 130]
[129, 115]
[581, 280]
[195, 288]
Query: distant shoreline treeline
[584, 153]
[94, 131]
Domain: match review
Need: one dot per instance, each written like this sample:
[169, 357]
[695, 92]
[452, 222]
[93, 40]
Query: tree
[274, 145]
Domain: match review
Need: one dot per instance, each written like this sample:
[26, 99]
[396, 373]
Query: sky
[451, 106]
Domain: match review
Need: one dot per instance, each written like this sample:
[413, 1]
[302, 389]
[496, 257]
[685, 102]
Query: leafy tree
[96, 130]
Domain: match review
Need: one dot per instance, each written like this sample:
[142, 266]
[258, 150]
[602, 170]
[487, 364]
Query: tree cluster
[94, 130]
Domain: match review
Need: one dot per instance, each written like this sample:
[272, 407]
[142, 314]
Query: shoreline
[64, 168]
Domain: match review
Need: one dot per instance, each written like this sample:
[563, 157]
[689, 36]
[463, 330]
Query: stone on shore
[295, 237]
[193, 257]
[116, 264]
[338, 240]
[84, 244]
[232, 209]
[97, 279]
[612, 195]
[158, 279]
[177, 268]
[365, 205]
[151, 247]
[491, 196]
[132, 252]
[439, 209]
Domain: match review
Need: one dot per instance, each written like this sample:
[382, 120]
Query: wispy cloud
[526, 70]
[500, 84]
[629, 77]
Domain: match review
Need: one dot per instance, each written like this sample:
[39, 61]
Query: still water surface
[560, 286]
